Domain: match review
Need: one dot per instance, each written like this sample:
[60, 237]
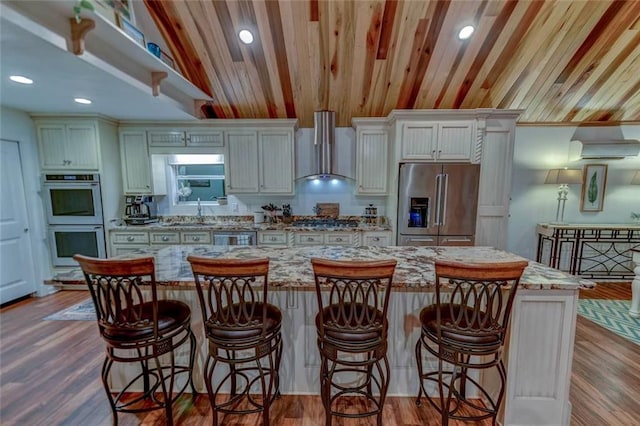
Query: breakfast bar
[539, 350]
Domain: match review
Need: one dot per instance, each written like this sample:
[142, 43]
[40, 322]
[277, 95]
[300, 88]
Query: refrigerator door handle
[443, 199]
[438, 198]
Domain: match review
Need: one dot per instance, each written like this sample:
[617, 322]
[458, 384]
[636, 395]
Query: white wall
[17, 125]
[540, 148]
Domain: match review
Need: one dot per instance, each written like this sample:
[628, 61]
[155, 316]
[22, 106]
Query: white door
[16, 263]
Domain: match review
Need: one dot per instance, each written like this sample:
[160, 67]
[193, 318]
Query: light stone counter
[290, 267]
[539, 350]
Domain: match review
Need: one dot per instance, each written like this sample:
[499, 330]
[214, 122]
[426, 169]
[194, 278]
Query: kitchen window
[198, 177]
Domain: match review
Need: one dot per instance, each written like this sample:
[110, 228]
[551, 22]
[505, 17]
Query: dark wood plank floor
[49, 374]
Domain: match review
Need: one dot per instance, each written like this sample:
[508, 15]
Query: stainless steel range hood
[323, 146]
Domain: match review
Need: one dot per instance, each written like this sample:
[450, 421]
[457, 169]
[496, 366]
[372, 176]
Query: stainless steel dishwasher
[234, 238]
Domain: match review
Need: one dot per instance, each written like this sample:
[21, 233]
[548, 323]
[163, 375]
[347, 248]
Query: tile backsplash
[308, 193]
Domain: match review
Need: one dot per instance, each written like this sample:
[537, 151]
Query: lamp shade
[564, 176]
[635, 180]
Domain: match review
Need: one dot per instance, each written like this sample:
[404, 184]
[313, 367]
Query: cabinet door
[136, 173]
[166, 138]
[381, 239]
[275, 150]
[204, 138]
[81, 147]
[242, 168]
[455, 140]
[419, 141]
[272, 238]
[51, 144]
[371, 164]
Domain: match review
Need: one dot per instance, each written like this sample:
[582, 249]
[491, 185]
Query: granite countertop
[242, 226]
[290, 267]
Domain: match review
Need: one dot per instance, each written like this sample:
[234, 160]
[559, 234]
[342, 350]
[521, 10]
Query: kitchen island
[539, 350]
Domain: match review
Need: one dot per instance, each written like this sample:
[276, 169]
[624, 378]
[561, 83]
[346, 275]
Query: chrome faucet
[199, 215]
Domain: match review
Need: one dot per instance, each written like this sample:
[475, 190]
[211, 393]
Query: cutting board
[330, 210]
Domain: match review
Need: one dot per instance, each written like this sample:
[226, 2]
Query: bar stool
[352, 332]
[243, 331]
[467, 331]
[139, 329]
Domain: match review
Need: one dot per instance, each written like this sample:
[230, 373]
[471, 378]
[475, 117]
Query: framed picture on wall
[594, 182]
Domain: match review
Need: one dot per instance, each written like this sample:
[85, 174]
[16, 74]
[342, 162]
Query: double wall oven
[73, 206]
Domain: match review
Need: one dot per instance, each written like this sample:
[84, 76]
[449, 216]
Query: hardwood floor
[49, 374]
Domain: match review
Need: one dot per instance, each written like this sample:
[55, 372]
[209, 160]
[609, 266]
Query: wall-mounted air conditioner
[606, 142]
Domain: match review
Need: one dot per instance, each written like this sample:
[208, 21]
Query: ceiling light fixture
[466, 32]
[245, 36]
[82, 101]
[20, 79]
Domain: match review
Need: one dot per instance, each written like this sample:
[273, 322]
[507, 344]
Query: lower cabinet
[376, 238]
[122, 242]
[273, 238]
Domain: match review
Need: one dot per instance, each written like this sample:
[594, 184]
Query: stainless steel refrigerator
[437, 204]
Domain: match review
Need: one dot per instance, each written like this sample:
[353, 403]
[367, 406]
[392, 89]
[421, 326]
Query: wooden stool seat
[225, 331]
[172, 314]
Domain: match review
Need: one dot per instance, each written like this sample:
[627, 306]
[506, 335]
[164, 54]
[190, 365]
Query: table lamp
[563, 178]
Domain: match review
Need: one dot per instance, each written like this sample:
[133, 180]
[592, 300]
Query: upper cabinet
[68, 145]
[242, 165]
[276, 161]
[437, 141]
[260, 161]
[134, 155]
[372, 152]
[182, 138]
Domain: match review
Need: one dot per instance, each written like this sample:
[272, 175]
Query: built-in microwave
[72, 199]
[67, 240]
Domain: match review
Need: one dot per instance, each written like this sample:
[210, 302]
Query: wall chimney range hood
[605, 142]
[323, 146]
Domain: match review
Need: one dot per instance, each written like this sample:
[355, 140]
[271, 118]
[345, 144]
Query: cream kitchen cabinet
[437, 141]
[260, 161]
[68, 145]
[372, 149]
[136, 167]
[164, 237]
[330, 238]
[242, 165]
[182, 138]
[127, 241]
[276, 161]
[376, 238]
[273, 238]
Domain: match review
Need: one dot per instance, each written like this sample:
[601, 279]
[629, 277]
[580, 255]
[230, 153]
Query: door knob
[26, 229]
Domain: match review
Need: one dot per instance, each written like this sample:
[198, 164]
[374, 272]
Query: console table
[594, 251]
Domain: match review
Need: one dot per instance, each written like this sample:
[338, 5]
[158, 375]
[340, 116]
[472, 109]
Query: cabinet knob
[338, 239]
[376, 239]
[165, 238]
[309, 238]
[273, 238]
[433, 153]
[196, 238]
[129, 238]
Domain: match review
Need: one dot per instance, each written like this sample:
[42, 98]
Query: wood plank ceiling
[559, 60]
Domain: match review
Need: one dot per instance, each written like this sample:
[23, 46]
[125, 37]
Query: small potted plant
[286, 213]
[271, 210]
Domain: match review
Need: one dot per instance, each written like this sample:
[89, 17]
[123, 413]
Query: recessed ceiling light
[465, 32]
[21, 79]
[82, 101]
[245, 36]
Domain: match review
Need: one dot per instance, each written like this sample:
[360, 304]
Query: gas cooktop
[326, 223]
